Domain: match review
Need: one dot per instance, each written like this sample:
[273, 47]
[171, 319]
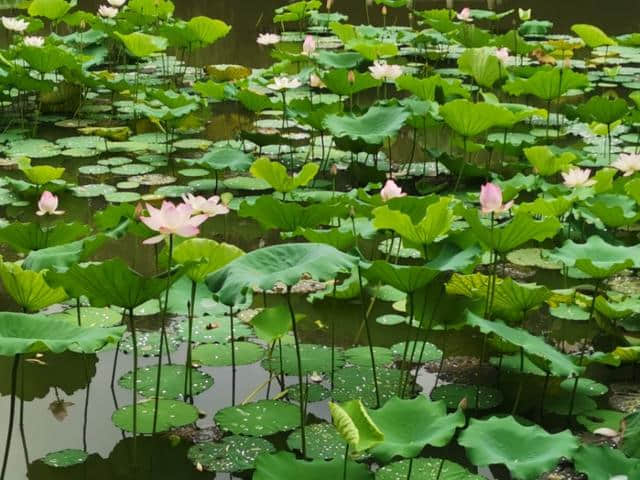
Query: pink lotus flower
[316, 82]
[578, 177]
[209, 206]
[391, 190]
[465, 15]
[308, 46]
[268, 39]
[34, 41]
[48, 205]
[172, 220]
[491, 199]
[502, 54]
[628, 164]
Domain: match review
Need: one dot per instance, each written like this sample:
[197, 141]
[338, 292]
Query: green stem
[12, 413]
[299, 362]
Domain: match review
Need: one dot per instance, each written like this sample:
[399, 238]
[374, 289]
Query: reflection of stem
[188, 383]
[233, 358]
[365, 319]
[410, 468]
[299, 361]
[517, 401]
[23, 437]
[86, 406]
[134, 341]
[12, 412]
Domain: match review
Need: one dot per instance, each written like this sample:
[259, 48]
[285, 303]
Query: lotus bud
[524, 14]
[450, 4]
[333, 170]
[384, 10]
[352, 212]
[58, 409]
[464, 403]
[138, 210]
[351, 77]
[329, 5]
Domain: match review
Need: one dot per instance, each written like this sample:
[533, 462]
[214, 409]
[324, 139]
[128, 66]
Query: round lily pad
[132, 169]
[171, 414]
[148, 343]
[233, 454]
[173, 191]
[357, 382]
[193, 172]
[322, 441]
[65, 458]
[93, 190]
[91, 317]
[453, 394]
[426, 469]
[431, 353]
[171, 381]
[361, 356]
[314, 358]
[127, 185]
[219, 355]
[93, 170]
[114, 161]
[313, 391]
[213, 329]
[567, 311]
[152, 179]
[391, 319]
[586, 386]
[559, 404]
[533, 257]
[246, 183]
[192, 144]
[259, 419]
[122, 197]
[79, 152]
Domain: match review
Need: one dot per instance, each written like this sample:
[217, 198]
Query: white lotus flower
[284, 83]
[628, 163]
[268, 39]
[578, 177]
[34, 41]
[502, 54]
[315, 81]
[383, 71]
[107, 12]
[14, 24]
[116, 3]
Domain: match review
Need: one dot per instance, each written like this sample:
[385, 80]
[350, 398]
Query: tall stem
[365, 319]
[233, 358]
[134, 341]
[299, 362]
[188, 384]
[12, 413]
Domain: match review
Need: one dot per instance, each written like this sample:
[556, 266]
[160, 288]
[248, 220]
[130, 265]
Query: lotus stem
[12, 413]
[134, 341]
[86, 406]
[233, 358]
[365, 319]
[299, 362]
[188, 383]
[516, 404]
[23, 437]
[410, 468]
[544, 394]
[346, 459]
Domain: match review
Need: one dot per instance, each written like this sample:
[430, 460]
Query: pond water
[67, 400]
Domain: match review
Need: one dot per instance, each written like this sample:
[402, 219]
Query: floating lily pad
[33, 148]
[115, 161]
[533, 257]
[91, 317]
[357, 382]
[453, 394]
[173, 191]
[193, 172]
[391, 319]
[152, 179]
[559, 404]
[148, 343]
[430, 353]
[586, 386]
[426, 469]
[314, 392]
[122, 197]
[214, 329]
[596, 419]
[246, 183]
[259, 419]
[361, 356]
[232, 454]
[171, 381]
[219, 355]
[132, 169]
[79, 152]
[65, 458]
[314, 358]
[93, 190]
[192, 144]
[94, 170]
[171, 414]
[127, 185]
[567, 311]
[322, 441]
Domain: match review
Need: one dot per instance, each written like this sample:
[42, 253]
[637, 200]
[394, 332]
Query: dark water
[88, 424]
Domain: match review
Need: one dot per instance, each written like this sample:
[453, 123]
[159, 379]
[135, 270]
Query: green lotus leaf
[224, 158]
[353, 423]
[546, 163]
[51, 9]
[376, 126]
[24, 237]
[604, 462]
[29, 289]
[515, 299]
[402, 277]
[272, 323]
[597, 258]
[410, 425]
[477, 397]
[596, 419]
[483, 65]
[219, 355]
[469, 119]
[117, 134]
[372, 49]
[109, 283]
[24, 333]
[592, 35]
[313, 113]
[171, 414]
[287, 216]
[510, 235]
[526, 451]
[142, 45]
[614, 210]
[603, 109]
[152, 8]
[285, 465]
[206, 255]
[631, 440]
[322, 441]
[40, 175]
[172, 381]
[257, 102]
[548, 84]
[258, 419]
[535, 347]
[339, 60]
[535, 27]
[276, 174]
[232, 454]
[338, 82]
[49, 58]
[357, 382]
[425, 469]
[284, 263]
[65, 458]
[207, 30]
[313, 358]
[545, 207]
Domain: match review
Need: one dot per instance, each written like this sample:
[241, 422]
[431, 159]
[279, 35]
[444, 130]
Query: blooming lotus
[284, 83]
[464, 15]
[383, 71]
[170, 219]
[48, 204]
[628, 163]
[209, 206]
[309, 45]
[524, 14]
[268, 39]
[391, 190]
[106, 11]
[34, 41]
[502, 54]
[14, 24]
[315, 81]
[116, 3]
[491, 199]
[578, 177]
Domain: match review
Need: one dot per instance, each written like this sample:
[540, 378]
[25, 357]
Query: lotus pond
[382, 239]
